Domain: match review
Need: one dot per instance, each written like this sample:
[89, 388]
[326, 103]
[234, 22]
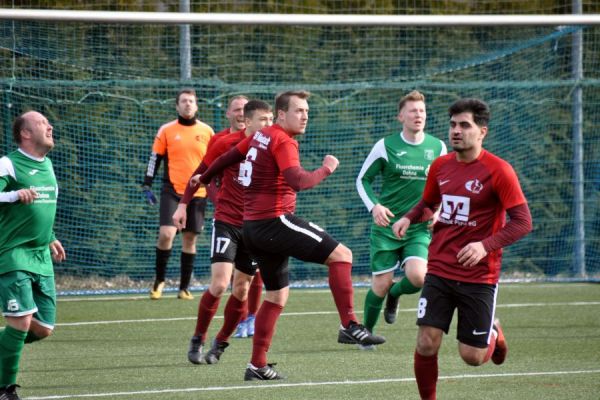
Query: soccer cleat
[250, 324]
[215, 352]
[156, 291]
[195, 351]
[185, 294]
[266, 373]
[242, 330]
[501, 350]
[358, 334]
[390, 312]
[9, 393]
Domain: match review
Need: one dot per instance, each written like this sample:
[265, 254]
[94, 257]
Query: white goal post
[175, 18]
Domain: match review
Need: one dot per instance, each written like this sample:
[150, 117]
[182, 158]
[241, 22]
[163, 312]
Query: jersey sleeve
[431, 193]
[372, 166]
[507, 186]
[7, 174]
[160, 142]
[214, 150]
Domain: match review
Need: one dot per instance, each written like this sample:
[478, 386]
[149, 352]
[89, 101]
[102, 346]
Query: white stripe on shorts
[212, 239]
[493, 313]
[299, 229]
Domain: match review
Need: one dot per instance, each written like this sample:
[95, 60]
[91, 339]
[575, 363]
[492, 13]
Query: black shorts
[195, 211]
[272, 241]
[227, 245]
[476, 304]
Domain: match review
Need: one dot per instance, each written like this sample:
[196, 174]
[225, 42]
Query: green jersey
[403, 167]
[26, 230]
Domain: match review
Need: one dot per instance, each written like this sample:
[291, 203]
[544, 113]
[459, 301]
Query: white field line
[111, 297]
[295, 314]
[270, 386]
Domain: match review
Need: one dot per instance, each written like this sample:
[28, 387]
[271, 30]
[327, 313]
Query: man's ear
[484, 132]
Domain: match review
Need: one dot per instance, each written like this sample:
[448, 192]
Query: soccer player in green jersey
[28, 191]
[403, 160]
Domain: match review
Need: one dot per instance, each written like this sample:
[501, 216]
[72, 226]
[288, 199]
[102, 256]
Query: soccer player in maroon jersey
[228, 248]
[237, 122]
[235, 116]
[272, 175]
[476, 189]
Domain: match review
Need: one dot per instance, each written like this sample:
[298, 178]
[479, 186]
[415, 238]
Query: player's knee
[427, 345]
[37, 332]
[44, 333]
[189, 240]
[218, 288]
[166, 235]
[472, 359]
[418, 281]
[240, 292]
[165, 242]
[381, 285]
[471, 355]
[341, 254]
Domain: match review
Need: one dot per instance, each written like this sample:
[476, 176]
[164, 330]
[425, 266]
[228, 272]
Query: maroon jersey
[474, 198]
[269, 152]
[230, 197]
[218, 136]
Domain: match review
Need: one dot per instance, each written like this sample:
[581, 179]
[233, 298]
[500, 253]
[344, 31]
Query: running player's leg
[414, 262]
[164, 243]
[307, 241]
[262, 239]
[434, 315]
[18, 307]
[254, 297]
[194, 226]
[43, 321]
[476, 332]
[236, 306]
[223, 251]
[275, 276]
[384, 261]
[246, 326]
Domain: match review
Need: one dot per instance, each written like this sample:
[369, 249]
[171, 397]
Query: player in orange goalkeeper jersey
[181, 143]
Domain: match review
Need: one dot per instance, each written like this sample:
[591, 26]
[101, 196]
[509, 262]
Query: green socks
[11, 347]
[403, 287]
[373, 306]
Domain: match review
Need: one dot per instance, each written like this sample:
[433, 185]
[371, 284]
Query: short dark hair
[253, 105]
[282, 101]
[18, 125]
[185, 91]
[415, 95]
[477, 107]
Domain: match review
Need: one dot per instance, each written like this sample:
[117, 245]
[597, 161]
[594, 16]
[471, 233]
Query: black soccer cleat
[391, 308]
[215, 352]
[195, 351]
[266, 373]
[9, 393]
[357, 334]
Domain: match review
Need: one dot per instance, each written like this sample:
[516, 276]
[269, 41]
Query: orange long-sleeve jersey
[183, 148]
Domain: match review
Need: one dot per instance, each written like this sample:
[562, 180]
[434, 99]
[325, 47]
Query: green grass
[553, 331]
